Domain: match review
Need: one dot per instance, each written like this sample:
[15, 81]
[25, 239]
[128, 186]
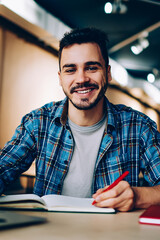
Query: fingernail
[98, 199]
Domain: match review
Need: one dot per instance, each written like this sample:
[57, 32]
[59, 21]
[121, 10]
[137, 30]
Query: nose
[81, 76]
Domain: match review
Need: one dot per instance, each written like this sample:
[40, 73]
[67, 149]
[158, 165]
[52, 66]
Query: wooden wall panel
[1, 73]
[118, 97]
[29, 81]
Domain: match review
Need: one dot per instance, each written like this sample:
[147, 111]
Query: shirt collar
[64, 116]
[62, 113]
[111, 114]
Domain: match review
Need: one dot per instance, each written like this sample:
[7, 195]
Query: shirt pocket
[119, 164]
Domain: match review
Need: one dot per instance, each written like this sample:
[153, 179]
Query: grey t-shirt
[79, 179]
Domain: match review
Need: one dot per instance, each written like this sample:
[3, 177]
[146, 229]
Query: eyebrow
[87, 64]
[69, 65]
[93, 63]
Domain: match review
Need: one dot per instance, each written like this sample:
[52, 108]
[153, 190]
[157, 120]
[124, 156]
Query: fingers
[121, 197]
[99, 191]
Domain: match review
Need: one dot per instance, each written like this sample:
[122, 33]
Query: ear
[59, 76]
[109, 73]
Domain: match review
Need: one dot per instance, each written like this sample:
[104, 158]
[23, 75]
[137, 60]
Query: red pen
[114, 183]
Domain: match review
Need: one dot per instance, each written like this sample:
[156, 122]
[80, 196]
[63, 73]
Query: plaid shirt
[130, 142]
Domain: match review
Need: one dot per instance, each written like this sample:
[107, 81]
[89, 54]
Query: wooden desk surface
[63, 226]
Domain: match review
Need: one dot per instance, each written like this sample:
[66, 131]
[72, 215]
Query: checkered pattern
[130, 142]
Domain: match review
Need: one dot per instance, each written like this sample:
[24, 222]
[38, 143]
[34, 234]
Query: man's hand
[121, 197]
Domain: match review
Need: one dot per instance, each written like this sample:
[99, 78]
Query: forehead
[81, 53]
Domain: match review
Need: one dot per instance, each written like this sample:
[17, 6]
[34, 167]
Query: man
[83, 143]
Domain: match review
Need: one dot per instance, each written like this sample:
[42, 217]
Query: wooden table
[63, 226]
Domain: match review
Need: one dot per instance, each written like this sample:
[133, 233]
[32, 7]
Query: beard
[84, 103]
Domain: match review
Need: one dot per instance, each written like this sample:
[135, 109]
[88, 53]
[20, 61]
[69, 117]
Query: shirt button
[65, 161]
[69, 136]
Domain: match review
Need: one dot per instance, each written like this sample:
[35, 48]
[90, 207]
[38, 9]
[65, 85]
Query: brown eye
[92, 68]
[70, 70]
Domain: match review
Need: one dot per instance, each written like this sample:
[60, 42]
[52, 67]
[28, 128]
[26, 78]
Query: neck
[86, 117]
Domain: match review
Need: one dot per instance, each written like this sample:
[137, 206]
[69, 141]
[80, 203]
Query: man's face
[83, 75]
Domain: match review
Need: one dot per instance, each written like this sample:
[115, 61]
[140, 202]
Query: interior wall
[28, 80]
[1, 62]
[118, 97]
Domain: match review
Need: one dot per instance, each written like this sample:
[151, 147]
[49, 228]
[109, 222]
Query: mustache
[91, 85]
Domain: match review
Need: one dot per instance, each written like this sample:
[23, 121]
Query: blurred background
[133, 27]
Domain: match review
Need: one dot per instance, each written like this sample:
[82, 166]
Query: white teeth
[84, 91]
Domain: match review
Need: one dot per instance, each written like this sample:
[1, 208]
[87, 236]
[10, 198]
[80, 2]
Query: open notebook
[51, 202]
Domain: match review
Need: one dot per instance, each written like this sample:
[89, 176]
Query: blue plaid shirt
[130, 142]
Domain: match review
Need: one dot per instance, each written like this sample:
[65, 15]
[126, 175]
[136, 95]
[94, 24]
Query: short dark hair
[85, 35]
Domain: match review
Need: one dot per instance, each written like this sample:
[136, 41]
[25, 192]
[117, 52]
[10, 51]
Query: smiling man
[83, 79]
[83, 143]
[83, 75]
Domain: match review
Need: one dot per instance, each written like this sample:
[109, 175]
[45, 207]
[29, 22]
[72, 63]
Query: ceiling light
[151, 77]
[108, 7]
[136, 49]
[116, 7]
[142, 44]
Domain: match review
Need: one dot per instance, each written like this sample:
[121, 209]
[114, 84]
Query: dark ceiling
[122, 29]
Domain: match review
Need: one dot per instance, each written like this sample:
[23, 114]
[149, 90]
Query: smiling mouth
[84, 89]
